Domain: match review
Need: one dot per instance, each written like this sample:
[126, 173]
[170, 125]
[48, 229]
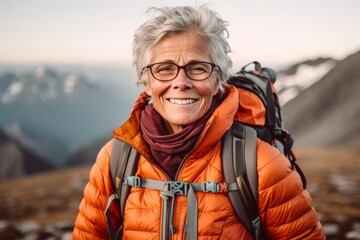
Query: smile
[181, 101]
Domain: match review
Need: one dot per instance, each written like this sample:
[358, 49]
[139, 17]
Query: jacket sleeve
[91, 221]
[285, 206]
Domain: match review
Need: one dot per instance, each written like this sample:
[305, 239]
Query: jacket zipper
[168, 178]
[184, 234]
[183, 160]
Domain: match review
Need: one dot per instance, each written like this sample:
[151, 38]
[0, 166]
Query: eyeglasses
[166, 71]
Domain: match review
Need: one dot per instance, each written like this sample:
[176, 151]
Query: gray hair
[207, 23]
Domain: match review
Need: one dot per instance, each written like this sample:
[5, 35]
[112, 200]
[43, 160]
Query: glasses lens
[164, 71]
[199, 71]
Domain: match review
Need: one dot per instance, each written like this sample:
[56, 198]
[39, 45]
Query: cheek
[158, 90]
[209, 89]
[155, 88]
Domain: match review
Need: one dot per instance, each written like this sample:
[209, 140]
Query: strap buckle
[215, 187]
[179, 188]
[212, 187]
[133, 181]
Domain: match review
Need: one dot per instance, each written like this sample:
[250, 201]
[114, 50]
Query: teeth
[181, 101]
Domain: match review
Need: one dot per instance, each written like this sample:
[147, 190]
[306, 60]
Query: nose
[182, 81]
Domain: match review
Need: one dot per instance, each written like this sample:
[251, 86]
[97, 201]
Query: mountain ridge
[327, 114]
[55, 113]
[17, 160]
[64, 131]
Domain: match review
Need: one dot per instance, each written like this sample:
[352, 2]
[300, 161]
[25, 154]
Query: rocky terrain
[44, 206]
[334, 184]
[41, 206]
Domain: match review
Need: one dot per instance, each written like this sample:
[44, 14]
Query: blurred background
[67, 80]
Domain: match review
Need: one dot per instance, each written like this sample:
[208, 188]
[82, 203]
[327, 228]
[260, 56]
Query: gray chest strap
[171, 189]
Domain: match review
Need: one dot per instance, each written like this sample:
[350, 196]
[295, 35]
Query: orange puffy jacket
[284, 206]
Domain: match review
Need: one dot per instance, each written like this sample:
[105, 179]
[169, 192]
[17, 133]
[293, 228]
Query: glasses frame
[149, 66]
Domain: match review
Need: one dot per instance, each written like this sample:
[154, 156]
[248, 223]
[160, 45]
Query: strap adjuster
[256, 223]
[133, 181]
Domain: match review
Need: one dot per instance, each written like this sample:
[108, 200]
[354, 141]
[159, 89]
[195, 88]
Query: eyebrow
[192, 61]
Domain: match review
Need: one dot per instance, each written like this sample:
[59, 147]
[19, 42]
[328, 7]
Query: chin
[184, 123]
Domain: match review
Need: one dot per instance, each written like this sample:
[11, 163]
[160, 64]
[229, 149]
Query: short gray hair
[166, 20]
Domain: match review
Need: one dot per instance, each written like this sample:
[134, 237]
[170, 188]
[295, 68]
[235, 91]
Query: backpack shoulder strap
[239, 165]
[118, 160]
[123, 162]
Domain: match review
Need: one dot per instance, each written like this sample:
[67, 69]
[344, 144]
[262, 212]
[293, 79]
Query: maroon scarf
[168, 149]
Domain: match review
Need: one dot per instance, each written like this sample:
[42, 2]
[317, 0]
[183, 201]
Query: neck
[173, 128]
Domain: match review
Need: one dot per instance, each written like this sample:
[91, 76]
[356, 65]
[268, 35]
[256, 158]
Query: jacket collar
[217, 125]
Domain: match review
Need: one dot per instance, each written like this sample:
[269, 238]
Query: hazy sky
[99, 32]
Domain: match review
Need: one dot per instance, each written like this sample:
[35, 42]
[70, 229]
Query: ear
[216, 89]
[147, 89]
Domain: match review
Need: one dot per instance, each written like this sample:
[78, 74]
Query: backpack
[259, 115]
[260, 109]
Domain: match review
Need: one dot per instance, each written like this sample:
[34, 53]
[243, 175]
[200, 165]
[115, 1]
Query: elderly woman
[177, 123]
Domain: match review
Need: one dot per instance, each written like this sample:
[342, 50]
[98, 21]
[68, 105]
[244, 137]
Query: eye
[164, 68]
[199, 68]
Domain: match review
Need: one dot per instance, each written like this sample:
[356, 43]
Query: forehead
[181, 46]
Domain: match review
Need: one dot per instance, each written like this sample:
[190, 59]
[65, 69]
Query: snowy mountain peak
[290, 84]
[12, 92]
[70, 82]
[41, 84]
[39, 72]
